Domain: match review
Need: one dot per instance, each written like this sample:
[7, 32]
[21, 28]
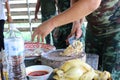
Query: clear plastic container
[14, 48]
[4, 66]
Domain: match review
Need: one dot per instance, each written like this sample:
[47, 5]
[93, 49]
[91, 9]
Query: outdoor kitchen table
[91, 59]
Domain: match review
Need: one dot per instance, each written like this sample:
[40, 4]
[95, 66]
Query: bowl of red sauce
[38, 72]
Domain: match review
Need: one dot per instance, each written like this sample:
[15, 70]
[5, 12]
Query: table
[91, 59]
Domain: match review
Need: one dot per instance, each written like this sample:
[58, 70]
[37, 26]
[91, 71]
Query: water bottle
[14, 48]
[4, 69]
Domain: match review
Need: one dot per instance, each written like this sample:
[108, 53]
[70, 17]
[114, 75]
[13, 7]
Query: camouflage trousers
[60, 35]
[108, 49]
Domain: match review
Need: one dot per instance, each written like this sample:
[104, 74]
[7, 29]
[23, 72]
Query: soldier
[102, 33]
[103, 36]
[62, 33]
[48, 10]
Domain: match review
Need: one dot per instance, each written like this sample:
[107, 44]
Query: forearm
[8, 8]
[9, 18]
[78, 21]
[79, 9]
[37, 7]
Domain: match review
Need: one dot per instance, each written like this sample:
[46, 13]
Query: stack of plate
[34, 49]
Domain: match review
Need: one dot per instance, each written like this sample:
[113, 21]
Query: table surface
[91, 59]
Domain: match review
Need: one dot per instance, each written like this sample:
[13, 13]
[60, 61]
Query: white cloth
[2, 10]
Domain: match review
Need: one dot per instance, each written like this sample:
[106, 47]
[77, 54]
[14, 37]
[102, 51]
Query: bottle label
[14, 46]
[5, 74]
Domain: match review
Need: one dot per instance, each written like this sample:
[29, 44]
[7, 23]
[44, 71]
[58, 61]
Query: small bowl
[34, 68]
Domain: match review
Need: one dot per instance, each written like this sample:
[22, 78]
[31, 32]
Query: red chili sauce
[38, 73]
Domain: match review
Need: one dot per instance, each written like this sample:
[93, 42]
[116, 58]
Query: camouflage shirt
[48, 8]
[103, 36]
[108, 14]
[63, 5]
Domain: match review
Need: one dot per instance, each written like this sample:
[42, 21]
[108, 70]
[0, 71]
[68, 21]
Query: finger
[43, 39]
[38, 38]
[78, 33]
[77, 36]
[33, 36]
[73, 31]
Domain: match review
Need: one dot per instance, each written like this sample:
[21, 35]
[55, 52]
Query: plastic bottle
[14, 48]
[4, 69]
[1, 71]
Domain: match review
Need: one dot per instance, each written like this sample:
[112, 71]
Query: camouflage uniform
[63, 31]
[48, 10]
[103, 36]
